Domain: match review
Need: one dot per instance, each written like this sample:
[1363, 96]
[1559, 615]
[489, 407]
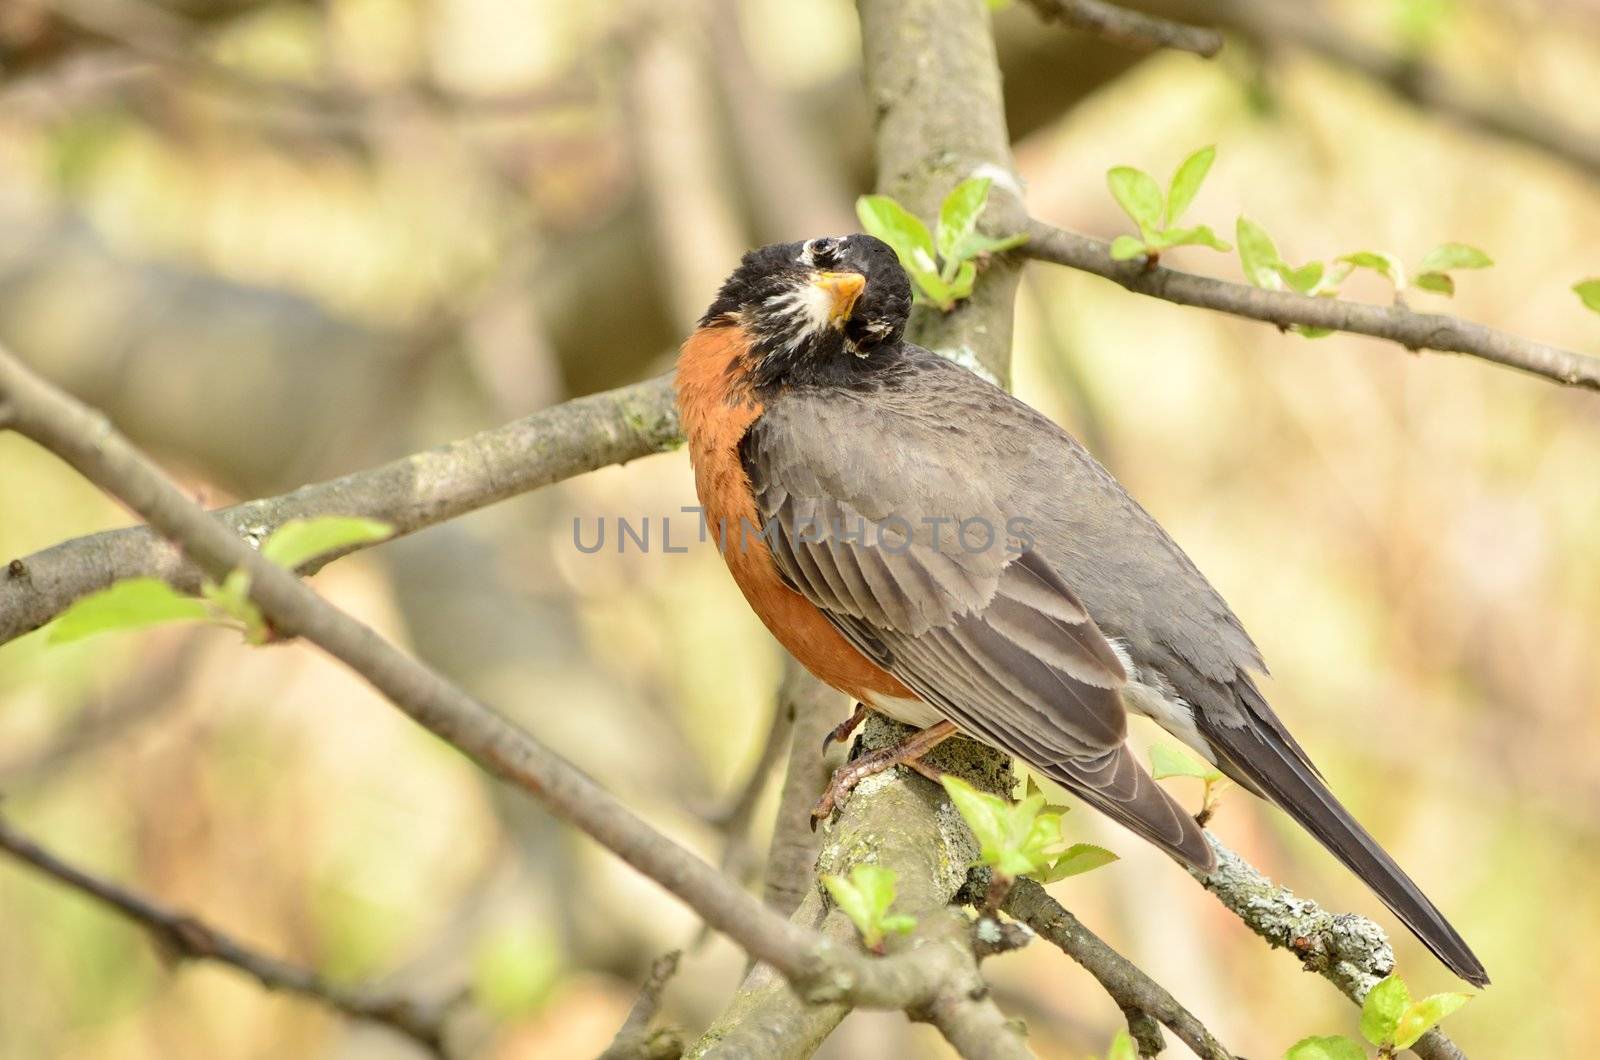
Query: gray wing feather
[993, 637]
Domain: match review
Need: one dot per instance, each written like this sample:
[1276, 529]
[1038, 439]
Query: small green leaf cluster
[1432, 273]
[1390, 1020]
[943, 265]
[1588, 291]
[865, 898]
[1167, 761]
[1265, 268]
[1022, 838]
[1156, 215]
[135, 603]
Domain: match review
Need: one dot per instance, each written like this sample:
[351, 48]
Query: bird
[948, 556]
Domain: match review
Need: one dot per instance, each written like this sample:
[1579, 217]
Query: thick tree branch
[186, 938]
[1413, 330]
[1133, 991]
[411, 493]
[822, 971]
[1133, 29]
[896, 820]
[1349, 951]
[941, 119]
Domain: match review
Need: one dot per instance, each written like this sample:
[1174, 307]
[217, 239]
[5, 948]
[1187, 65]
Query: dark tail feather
[1254, 755]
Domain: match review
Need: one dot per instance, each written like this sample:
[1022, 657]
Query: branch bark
[1135, 993]
[1348, 950]
[188, 938]
[897, 820]
[1133, 29]
[411, 493]
[635, 1041]
[1414, 331]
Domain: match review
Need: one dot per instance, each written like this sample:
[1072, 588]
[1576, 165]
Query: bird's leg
[908, 752]
[841, 732]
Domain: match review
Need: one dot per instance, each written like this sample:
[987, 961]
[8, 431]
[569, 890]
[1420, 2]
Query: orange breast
[718, 407]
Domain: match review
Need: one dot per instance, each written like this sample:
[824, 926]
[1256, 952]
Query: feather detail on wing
[991, 636]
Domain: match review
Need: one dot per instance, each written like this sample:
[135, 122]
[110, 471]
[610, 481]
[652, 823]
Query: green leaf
[978, 243]
[1304, 279]
[965, 277]
[1167, 761]
[1437, 282]
[1186, 181]
[1589, 292]
[1384, 264]
[299, 541]
[1033, 788]
[985, 814]
[232, 600]
[1382, 1009]
[1258, 255]
[881, 216]
[1139, 196]
[1126, 248]
[958, 216]
[1447, 256]
[131, 604]
[1122, 1048]
[1422, 1015]
[865, 898]
[1078, 859]
[1198, 236]
[1328, 1047]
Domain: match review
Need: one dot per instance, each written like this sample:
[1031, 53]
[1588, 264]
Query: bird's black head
[818, 310]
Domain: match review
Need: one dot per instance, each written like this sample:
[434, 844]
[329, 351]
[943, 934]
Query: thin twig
[635, 1041]
[1135, 993]
[1134, 29]
[1414, 331]
[1410, 77]
[792, 857]
[182, 936]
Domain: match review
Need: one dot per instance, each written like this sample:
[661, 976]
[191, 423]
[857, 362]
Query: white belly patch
[906, 711]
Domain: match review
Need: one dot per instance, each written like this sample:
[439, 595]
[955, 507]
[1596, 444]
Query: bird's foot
[907, 753]
[841, 732]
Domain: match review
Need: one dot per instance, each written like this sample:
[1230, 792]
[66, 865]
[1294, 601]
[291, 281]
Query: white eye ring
[808, 251]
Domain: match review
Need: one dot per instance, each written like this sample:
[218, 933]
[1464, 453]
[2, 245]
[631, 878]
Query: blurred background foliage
[278, 241]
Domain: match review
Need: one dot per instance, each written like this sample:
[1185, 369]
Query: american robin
[944, 554]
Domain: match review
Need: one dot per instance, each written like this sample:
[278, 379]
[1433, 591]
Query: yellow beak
[843, 288]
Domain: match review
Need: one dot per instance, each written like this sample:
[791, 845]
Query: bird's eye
[823, 250]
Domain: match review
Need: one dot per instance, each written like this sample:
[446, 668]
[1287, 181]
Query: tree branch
[183, 936]
[1409, 77]
[410, 494]
[820, 970]
[1348, 950]
[635, 1041]
[1413, 330]
[791, 858]
[1133, 29]
[896, 820]
[1133, 991]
